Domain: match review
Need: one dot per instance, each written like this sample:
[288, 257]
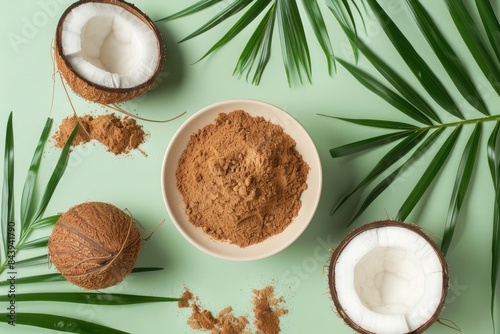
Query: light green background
[133, 182]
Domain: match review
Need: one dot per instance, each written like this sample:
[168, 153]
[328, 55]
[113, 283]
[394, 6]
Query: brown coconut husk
[378, 224]
[90, 90]
[94, 245]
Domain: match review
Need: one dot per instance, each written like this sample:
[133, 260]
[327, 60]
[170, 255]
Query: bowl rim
[318, 182]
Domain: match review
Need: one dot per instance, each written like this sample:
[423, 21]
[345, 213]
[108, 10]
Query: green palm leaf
[474, 42]
[27, 209]
[462, 180]
[490, 23]
[417, 65]
[367, 144]
[245, 20]
[392, 77]
[108, 299]
[32, 261]
[447, 56]
[386, 93]
[342, 11]
[231, 9]
[47, 278]
[494, 165]
[35, 243]
[294, 43]
[58, 172]
[395, 154]
[200, 5]
[376, 123]
[34, 213]
[493, 159]
[45, 222]
[7, 214]
[386, 182]
[294, 47]
[429, 175]
[257, 51]
[59, 323]
[318, 25]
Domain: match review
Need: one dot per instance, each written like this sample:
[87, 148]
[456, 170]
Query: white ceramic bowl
[173, 198]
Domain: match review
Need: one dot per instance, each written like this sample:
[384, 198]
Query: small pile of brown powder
[265, 308]
[241, 178]
[118, 135]
[186, 297]
[267, 311]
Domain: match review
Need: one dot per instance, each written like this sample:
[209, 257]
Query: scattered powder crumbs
[229, 324]
[266, 309]
[118, 135]
[202, 319]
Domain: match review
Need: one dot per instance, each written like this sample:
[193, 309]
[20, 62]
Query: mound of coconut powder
[241, 178]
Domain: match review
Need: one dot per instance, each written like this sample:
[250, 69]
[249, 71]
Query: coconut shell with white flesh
[108, 51]
[388, 277]
[94, 245]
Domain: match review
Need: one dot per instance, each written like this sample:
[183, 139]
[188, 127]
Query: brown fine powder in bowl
[118, 135]
[241, 178]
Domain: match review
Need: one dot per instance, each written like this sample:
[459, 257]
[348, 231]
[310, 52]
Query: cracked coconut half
[388, 277]
[108, 51]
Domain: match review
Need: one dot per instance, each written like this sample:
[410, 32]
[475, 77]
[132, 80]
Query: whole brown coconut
[94, 245]
[87, 85]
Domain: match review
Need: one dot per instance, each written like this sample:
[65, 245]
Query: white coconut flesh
[389, 280]
[109, 46]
